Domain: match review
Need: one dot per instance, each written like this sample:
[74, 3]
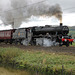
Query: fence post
[71, 71]
[36, 72]
[62, 69]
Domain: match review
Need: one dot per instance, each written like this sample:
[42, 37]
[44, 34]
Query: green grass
[72, 33]
[44, 62]
[73, 44]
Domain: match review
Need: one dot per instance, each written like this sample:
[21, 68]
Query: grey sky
[65, 4]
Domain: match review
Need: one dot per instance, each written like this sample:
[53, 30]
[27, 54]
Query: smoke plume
[18, 11]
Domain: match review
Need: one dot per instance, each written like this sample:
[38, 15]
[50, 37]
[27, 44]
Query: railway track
[55, 49]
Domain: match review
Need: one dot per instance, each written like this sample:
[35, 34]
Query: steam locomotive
[43, 35]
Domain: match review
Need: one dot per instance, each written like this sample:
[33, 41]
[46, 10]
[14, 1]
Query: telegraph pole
[13, 24]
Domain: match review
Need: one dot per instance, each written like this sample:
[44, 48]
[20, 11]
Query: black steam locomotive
[43, 35]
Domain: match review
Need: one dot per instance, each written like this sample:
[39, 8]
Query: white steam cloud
[18, 11]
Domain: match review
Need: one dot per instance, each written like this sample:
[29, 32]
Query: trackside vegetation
[42, 62]
[73, 44]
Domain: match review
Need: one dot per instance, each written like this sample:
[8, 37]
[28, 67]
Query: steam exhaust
[23, 14]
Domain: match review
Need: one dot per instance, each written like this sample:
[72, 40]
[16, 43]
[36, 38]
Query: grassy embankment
[73, 44]
[43, 62]
[72, 31]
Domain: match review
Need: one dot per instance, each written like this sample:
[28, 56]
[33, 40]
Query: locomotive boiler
[64, 30]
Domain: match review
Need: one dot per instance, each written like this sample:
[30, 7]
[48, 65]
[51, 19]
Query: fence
[63, 72]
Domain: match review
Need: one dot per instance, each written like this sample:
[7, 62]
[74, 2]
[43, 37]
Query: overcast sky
[65, 4]
[68, 9]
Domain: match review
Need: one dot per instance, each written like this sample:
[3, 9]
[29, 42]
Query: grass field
[41, 61]
[72, 31]
[73, 44]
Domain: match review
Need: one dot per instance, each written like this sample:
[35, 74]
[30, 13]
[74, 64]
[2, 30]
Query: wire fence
[62, 72]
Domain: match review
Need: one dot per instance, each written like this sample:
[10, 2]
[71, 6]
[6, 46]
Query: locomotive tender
[43, 35]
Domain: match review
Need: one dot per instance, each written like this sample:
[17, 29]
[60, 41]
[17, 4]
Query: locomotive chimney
[61, 24]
